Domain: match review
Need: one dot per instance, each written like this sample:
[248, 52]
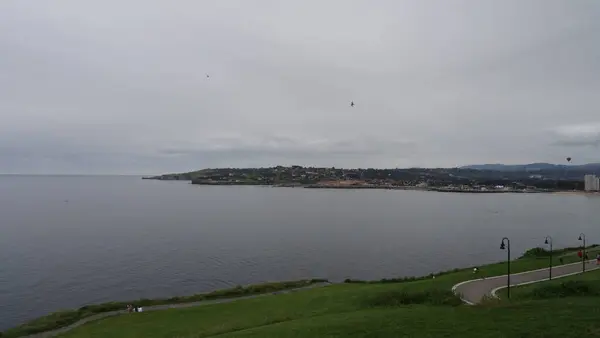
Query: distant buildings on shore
[591, 183]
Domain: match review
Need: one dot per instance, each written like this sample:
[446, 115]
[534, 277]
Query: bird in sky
[207, 76]
[352, 104]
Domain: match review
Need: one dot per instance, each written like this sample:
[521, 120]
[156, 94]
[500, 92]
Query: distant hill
[591, 167]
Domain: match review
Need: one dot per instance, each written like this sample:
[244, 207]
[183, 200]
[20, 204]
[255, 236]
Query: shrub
[541, 252]
[403, 279]
[401, 297]
[536, 252]
[56, 319]
[355, 281]
[104, 307]
[319, 280]
[572, 288]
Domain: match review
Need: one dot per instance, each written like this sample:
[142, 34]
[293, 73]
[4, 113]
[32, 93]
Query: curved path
[473, 291]
[165, 307]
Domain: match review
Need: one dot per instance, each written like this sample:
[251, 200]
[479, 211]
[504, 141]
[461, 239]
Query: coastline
[61, 321]
[354, 186]
[585, 193]
[362, 186]
[323, 186]
[475, 191]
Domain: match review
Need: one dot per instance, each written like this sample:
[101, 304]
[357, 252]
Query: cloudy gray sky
[120, 86]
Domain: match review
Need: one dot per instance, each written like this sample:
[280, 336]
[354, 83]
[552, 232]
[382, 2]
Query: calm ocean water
[70, 241]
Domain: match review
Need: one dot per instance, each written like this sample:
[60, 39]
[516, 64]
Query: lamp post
[582, 238]
[502, 247]
[549, 241]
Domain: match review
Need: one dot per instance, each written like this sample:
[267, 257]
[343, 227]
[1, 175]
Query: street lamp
[549, 241]
[582, 237]
[502, 247]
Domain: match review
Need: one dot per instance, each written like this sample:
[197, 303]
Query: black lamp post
[502, 247]
[549, 241]
[582, 237]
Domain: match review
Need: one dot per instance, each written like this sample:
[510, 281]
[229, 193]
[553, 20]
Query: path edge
[494, 292]
[455, 286]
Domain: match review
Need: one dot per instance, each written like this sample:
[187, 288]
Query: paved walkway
[163, 307]
[473, 291]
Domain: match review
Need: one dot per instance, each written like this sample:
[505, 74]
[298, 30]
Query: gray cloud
[292, 147]
[120, 86]
[578, 135]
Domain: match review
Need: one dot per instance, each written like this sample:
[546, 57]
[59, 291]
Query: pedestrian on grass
[580, 254]
[598, 259]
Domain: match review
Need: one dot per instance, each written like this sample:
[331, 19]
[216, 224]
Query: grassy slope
[524, 292]
[443, 282]
[523, 320]
[340, 311]
[63, 318]
[343, 311]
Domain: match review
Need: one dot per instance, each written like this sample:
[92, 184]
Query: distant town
[540, 177]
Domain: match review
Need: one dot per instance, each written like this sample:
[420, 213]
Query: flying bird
[207, 76]
[352, 104]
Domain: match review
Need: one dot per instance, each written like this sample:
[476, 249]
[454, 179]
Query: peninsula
[527, 178]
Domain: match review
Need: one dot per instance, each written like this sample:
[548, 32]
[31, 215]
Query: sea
[69, 241]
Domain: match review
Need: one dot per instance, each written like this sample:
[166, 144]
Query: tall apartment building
[591, 183]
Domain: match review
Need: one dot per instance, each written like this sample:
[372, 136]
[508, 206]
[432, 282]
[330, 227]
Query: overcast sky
[120, 86]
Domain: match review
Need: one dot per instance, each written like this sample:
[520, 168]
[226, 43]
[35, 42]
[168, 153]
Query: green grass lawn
[347, 310]
[357, 310]
[527, 292]
[525, 320]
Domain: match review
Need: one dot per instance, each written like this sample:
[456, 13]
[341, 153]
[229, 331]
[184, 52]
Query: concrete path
[164, 307]
[473, 291]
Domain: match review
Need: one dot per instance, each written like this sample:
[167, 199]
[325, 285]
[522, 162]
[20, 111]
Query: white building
[591, 183]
